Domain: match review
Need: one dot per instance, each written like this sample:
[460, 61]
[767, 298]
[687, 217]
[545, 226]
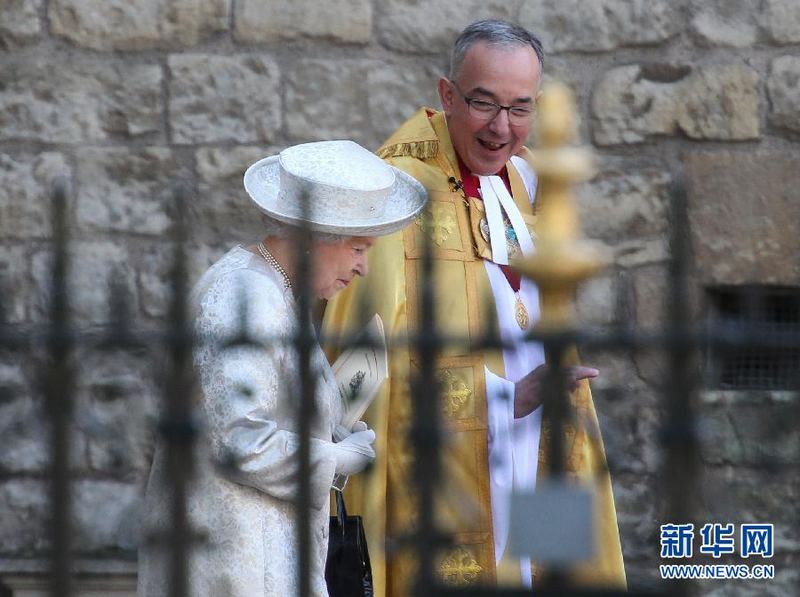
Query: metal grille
[739, 311]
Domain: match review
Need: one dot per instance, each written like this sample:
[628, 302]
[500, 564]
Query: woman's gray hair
[495, 33]
[278, 229]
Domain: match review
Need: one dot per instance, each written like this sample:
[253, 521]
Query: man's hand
[528, 393]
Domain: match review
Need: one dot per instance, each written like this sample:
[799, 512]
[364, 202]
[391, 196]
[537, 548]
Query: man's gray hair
[495, 33]
[278, 229]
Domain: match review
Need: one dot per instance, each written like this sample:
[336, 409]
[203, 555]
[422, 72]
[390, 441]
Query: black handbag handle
[341, 511]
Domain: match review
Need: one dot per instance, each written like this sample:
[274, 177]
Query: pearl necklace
[269, 258]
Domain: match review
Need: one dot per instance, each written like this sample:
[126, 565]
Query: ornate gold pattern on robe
[386, 496]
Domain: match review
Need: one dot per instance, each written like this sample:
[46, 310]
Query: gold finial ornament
[562, 260]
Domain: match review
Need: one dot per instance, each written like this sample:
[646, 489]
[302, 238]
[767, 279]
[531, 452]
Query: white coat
[250, 398]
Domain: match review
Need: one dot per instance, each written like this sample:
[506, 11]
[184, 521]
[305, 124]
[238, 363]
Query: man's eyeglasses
[486, 110]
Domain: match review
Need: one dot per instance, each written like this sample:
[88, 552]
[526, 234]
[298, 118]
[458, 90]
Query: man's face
[505, 76]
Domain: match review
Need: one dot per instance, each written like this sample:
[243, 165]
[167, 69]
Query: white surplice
[513, 443]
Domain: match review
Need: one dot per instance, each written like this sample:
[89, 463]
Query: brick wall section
[122, 98]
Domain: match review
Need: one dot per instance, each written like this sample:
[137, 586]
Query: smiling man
[488, 101]
[480, 214]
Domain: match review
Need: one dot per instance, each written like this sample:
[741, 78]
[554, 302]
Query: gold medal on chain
[521, 313]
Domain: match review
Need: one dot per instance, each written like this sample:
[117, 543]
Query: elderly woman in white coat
[250, 395]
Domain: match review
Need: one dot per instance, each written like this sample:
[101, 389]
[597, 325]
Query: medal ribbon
[470, 186]
[495, 194]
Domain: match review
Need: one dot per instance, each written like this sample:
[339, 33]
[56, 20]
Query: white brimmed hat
[348, 190]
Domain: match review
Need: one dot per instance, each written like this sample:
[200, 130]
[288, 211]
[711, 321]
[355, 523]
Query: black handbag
[347, 570]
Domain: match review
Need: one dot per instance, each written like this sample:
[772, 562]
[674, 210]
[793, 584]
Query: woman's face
[336, 264]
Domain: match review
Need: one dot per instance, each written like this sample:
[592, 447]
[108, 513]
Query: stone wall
[123, 98]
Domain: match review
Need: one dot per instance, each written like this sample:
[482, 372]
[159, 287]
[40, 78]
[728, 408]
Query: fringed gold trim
[422, 150]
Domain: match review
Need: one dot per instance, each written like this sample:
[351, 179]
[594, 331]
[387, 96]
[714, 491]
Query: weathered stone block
[754, 432]
[23, 424]
[24, 419]
[116, 406]
[783, 86]
[743, 216]
[24, 513]
[595, 301]
[561, 69]
[398, 91]
[738, 495]
[726, 22]
[12, 382]
[650, 298]
[327, 99]
[636, 500]
[642, 574]
[620, 205]
[743, 23]
[122, 25]
[781, 21]
[721, 102]
[106, 516]
[630, 434]
[155, 269]
[784, 583]
[576, 25]
[579, 26]
[617, 378]
[154, 279]
[222, 209]
[224, 98]
[15, 290]
[51, 101]
[20, 24]
[27, 183]
[431, 27]
[632, 103]
[94, 266]
[340, 20]
[641, 252]
[126, 190]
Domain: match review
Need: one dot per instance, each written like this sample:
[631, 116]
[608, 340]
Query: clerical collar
[471, 183]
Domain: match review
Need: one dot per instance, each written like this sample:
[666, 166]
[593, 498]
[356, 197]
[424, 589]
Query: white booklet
[361, 370]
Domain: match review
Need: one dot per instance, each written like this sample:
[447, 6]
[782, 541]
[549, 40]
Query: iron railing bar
[104, 336]
[679, 432]
[304, 342]
[177, 426]
[425, 431]
[59, 384]
[61, 339]
[558, 410]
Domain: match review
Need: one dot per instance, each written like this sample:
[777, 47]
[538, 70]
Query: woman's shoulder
[235, 259]
[236, 283]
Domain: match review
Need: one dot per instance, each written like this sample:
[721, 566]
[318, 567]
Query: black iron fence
[685, 343]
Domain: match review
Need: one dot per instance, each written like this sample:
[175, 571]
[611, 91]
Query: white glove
[340, 431]
[354, 452]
